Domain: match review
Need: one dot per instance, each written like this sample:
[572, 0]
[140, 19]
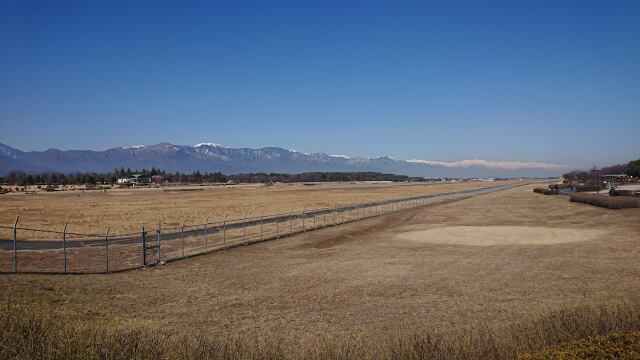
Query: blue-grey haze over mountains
[211, 157]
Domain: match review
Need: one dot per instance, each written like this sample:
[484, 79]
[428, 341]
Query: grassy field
[125, 210]
[494, 261]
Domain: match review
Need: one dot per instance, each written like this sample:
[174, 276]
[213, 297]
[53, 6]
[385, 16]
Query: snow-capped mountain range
[209, 157]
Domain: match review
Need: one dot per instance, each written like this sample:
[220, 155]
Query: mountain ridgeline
[209, 157]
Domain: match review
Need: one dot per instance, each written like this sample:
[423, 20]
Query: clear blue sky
[555, 81]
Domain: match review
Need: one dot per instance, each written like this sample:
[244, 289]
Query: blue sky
[555, 81]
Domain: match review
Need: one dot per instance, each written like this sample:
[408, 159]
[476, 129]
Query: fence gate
[150, 246]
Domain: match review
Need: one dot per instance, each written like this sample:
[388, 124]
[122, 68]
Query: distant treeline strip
[55, 178]
[632, 169]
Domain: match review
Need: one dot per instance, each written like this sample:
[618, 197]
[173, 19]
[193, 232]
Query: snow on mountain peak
[7, 151]
[508, 165]
[211, 144]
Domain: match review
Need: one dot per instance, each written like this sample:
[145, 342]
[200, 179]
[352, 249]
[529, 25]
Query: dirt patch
[500, 235]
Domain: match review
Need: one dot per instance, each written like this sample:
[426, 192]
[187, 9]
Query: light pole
[597, 172]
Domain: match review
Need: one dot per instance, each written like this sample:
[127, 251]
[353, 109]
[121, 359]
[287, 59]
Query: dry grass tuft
[617, 345]
[29, 333]
[610, 202]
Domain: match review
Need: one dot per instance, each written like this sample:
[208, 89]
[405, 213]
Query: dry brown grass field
[496, 260]
[125, 210]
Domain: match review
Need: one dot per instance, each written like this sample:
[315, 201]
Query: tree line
[94, 178]
[632, 169]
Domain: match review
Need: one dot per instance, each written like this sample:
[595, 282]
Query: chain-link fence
[27, 250]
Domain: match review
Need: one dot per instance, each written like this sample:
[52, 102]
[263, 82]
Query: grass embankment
[610, 202]
[30, 333]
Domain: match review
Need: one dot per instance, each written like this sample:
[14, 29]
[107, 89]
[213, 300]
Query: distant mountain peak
[8, 151]
[209, 144]
[210, 156]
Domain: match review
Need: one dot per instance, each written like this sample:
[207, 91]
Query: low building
[158, 179]
[617, 179]
[135, 180]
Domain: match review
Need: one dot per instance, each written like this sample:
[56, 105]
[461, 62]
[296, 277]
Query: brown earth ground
[493, 259]
[90, 212]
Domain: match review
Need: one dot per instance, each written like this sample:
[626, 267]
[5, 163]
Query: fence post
[244, 228]
[224, 231]
[106, 250]
[315, 215]
[261, 233]
[342, 214]
[158, 242]
[64, 246]
[291, 221]
[335, 207]
[277, 236]
[324, 218]
[144, 246]
[206, 242]
[303, 229]
[182, 236]
[15, 244]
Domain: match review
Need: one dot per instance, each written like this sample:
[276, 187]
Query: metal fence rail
[23, 250]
